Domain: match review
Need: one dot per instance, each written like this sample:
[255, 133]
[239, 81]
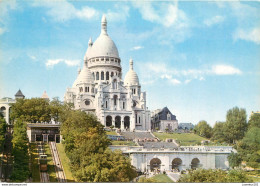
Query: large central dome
[104, 45]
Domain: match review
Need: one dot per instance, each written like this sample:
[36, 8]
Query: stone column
[122, 123]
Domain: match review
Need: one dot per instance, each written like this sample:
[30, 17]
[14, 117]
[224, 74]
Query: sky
[199, 59]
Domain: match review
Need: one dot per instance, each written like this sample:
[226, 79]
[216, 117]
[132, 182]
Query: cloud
[5, 7]
[165, 14]
[252, 35]
[119, 13]
[170, 79]
[177, 76]
[225, 70]
[2, 30]
[214, 20]
[62, 10]
[137, 48]
[52, 62]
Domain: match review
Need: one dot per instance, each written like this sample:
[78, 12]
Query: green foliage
[31, 110]
[20, 152]
[214, 176]
[203, 129]
[234, 160]
[249, 147]
[3, 126]
[236, 124]
[254, 121]
[86, 145]
[218, 132]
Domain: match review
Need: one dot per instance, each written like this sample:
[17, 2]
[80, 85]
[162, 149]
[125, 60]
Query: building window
[106, 104]
[86, 89]
[107, 75]
[102, 59]
[139, 119]
[123, 105]
[87, 102]
[97, 76]
[80, 89]
[134, 91]
[102, 75]
[135, 118]
[115, 100]
[93, 75]
[97, 59]
[112, 74]
[107, 59]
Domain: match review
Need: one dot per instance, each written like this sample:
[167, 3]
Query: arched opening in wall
[176, 164]
[127, 122]
[3, 111]
[118, 122]
[107, 75]
[108, 121]
[155, 164]
[114, 84]
[102, 75]
[97, 76]
[115, 100]
[93, 75]
[195, 163]
[112, 74]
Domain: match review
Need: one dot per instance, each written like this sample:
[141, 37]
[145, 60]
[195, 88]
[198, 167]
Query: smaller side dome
[131, 77]
[84, 76]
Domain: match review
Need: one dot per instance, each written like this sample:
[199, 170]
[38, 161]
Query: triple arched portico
[120, 122]
[177, 164]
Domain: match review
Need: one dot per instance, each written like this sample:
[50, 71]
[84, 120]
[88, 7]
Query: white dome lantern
[131, 77]
[104, 46]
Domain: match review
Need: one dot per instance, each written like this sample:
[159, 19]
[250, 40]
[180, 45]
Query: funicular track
[57, 163]
[44, 176]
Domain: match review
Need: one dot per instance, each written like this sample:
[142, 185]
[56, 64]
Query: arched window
[106, 104]
[123, 105]
[86, 89]
[114, 84]
[102, 75]
[139, 119]
[115, 100]
[112, 74]
[93, 75]
[107, 75]
[97, 76]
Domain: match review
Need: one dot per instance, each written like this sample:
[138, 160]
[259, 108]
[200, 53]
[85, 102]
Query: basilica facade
[100, 89]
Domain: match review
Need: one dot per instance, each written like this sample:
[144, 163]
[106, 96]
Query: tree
[249, 147]
[31, 110]
[254, 121]
[20, 152]
[203, 129]
[236, 124]
[86, 145]
[218, 132]
[214, 176]
[234, 160]
[3, 126]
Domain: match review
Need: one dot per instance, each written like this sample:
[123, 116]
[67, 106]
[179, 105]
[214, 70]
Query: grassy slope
[65, 162]
[34, 163]
[183, 138]
[129, 143]
[51, 168]
[111, 133]
[162, 178]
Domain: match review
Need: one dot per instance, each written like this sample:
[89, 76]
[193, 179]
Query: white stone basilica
[99, 87]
